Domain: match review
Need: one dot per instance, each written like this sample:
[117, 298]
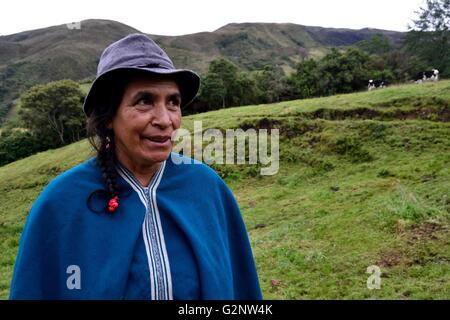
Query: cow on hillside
[376, 84]
[430, 75]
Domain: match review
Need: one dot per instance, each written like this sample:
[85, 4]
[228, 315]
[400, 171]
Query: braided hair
[102, 138]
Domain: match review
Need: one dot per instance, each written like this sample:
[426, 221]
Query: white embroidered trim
[158, 261]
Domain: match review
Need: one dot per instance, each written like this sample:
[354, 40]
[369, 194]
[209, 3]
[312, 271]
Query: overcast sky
[176, 17]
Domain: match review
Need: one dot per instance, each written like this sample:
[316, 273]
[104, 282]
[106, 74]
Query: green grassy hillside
[364, 180]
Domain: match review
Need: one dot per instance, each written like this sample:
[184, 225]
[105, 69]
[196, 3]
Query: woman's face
[145, 121]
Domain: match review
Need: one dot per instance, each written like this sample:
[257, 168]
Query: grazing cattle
[374, 84]
[431, 75]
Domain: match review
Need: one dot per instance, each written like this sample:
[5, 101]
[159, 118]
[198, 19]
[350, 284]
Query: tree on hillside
[429, 37]
[220, 86]
[304, 81]
[337, 72]
[377, 44]
[213, 91]
[54, 112]
[18, 143]
[343, 72]
[396, 66]
[227, 72]
[269, 85]
[247, 89]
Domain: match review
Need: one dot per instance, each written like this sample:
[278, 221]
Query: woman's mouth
[161, 141]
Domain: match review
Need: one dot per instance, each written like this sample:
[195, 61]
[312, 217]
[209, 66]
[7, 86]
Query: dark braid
[106, 160]
[102, 138]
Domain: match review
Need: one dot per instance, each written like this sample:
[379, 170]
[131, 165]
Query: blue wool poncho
[182, 237]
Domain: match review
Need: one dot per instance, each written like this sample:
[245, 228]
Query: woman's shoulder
[66, 192]
[194, 175]
[192, 168]
[78, 177]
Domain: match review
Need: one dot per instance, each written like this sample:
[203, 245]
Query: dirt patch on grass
[263, 123]
[304, 123]
[416, 102]
[335, 114]
[424, 231]
[392, 258]
[438, 115]
[424, 108]
[287, 129]
[421, 246]
[441, 114]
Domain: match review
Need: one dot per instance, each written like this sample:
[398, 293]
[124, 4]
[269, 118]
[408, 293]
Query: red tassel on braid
[113, 204]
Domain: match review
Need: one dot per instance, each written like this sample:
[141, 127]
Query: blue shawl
[182, 237]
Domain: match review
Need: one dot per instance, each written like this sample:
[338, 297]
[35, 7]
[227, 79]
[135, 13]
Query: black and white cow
[375, 84]
[430, 75]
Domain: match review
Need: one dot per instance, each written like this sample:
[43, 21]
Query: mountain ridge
[57, 52]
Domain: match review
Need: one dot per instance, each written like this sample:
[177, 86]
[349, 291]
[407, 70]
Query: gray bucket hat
[139, 52]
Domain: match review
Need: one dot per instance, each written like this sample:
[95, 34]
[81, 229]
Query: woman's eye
[175, 102]
[144, 101]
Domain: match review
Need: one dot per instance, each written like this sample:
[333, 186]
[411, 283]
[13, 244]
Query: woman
[132, 223]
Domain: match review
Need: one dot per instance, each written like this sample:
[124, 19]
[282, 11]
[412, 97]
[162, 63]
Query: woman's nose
[161, 116]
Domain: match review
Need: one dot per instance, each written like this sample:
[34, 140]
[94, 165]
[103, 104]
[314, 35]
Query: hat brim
[188, 83]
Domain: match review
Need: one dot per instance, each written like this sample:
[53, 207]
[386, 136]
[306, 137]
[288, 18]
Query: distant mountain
[53, 53]
[39, 56]
[252, 45]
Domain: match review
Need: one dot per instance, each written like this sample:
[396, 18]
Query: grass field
[364, 180]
